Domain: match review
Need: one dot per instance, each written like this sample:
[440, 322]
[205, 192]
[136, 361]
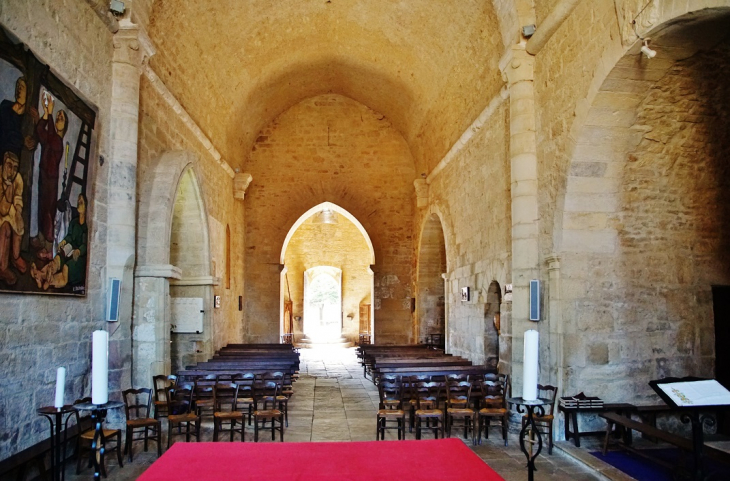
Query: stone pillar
[151, 333]
[523, 153]
[131, 48]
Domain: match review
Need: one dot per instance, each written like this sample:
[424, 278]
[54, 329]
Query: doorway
[323, 304]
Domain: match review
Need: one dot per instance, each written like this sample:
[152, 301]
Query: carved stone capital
[421, 192]
[132, 45]
[240, 184]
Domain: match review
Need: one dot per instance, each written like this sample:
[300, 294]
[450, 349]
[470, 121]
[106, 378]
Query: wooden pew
[644, 428]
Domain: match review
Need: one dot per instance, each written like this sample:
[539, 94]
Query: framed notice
[691, 392]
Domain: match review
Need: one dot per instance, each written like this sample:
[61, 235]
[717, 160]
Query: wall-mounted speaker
[115, 290]
[534, 300]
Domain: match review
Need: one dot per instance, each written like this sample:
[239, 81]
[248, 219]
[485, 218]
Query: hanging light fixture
[325, 216]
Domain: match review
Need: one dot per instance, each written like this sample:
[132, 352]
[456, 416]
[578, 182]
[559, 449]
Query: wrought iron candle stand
[98, 413]
[57, 417]
[529, 406]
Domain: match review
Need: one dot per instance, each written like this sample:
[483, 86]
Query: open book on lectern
[691, 392]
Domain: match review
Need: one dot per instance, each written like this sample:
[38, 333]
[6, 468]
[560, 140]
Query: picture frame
[465, 294]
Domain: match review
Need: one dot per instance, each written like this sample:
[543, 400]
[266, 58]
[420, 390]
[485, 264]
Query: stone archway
[345, 246]
[169, 193]
[641, 235]
[430, 314]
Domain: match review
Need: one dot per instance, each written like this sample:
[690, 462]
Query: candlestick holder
[529, 406]
[57, 417]
[98, 413]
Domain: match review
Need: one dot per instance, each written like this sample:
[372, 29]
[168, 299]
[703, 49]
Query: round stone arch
[600, 275]
[172, 179]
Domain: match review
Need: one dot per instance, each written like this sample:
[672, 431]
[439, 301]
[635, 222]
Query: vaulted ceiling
[429, 66]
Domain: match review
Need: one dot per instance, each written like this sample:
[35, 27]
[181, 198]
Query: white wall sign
[186, 314]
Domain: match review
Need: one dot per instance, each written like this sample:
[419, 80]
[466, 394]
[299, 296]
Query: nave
[333, 402]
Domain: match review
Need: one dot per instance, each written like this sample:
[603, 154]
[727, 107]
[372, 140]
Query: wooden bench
[682, 443]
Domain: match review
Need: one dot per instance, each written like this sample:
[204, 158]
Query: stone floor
[333, 402]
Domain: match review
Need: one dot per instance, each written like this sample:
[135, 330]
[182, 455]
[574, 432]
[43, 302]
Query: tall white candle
[100, 368]
[529, 365]
[60, 387]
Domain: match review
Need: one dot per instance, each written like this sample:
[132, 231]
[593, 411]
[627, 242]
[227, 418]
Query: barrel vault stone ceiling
[429, 66]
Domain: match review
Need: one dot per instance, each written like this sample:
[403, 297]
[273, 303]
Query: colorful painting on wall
[45, 145]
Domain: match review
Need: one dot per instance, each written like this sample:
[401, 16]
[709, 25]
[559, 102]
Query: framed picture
[46, 135]
[465, 294]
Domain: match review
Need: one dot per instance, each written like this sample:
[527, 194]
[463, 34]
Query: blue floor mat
[644, 469]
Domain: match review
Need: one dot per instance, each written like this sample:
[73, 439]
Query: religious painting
[46, 133]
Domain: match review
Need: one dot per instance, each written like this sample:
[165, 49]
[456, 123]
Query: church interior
[191, 175]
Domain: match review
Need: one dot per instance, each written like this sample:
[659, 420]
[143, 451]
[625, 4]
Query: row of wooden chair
[475, 404]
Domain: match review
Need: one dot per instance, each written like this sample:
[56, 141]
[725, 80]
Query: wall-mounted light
[646, 50]
[325, 216]
[116, 7]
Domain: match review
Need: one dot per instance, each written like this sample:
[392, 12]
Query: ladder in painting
[80, 157]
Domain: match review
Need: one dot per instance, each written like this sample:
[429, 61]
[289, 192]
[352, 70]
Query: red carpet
[443, 459]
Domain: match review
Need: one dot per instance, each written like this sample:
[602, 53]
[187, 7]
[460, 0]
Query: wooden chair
[265, 394]
[226, 413]
[180, 411]
[137, 404]
[428, 395]
[161, 384]
[391, 407]
[246, 398]
[203, 395]
[86, 438]
[493, 405]
[457, 406]
[282, 400]
[544, 424]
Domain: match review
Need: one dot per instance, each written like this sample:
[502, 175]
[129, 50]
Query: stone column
[151, 334]
[131, 48]
[555, 314]
[523, 153]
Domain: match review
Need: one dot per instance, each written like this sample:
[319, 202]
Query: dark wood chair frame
[140, 426]
[493, 405]
[180, 410]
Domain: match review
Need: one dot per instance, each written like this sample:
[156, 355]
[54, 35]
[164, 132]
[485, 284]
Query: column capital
[240, 184]
[421, 192]
[132, 45]
[518, 65]
[553, 262]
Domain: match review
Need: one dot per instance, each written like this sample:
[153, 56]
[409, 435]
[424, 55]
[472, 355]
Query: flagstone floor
[332, 401]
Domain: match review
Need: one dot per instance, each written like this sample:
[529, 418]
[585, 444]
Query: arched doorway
[173, 262]
[430, 314]
[334, 247]
[492, 325]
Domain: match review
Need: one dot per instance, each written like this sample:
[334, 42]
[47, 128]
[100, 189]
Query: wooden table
[571, 415]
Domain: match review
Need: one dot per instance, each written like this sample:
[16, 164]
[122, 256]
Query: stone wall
[639, 307]
[476, 221]
[162, 130]
[330, 148]
[40, 333]
[339, 245]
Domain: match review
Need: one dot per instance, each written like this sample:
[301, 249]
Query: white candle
[100, 368]
[529, 365]
[60, 387]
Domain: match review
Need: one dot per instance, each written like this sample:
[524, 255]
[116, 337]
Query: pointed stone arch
[155, 275]
[353, 314]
